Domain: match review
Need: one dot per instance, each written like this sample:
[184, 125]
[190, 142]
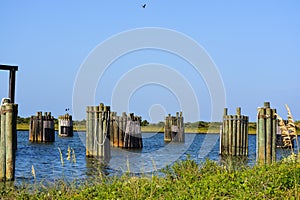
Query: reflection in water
[155, 155]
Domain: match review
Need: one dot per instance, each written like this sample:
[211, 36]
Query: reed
[288, 131]
[61, 157]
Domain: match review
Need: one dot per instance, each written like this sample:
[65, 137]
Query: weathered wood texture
[174, 128]
[65, 126]
[98, 132]
[126, 131]
[8, 140]
[234, 134]
[41, 128]
[266, 135]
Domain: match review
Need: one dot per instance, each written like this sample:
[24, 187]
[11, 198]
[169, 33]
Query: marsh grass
[183, 180]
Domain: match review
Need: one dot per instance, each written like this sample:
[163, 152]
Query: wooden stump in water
[174, 128]
[234, 134]
[41, 128]
[65, 126]
[8, 139]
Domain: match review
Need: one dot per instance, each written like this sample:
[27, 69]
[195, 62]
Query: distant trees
[21, 120]
[144, 123]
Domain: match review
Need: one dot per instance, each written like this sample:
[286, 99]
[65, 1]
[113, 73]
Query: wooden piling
[65, 126]
[41, 128]
[167, 134]
[174, 128]
[98, 130]
[126, 131]
[266, 135]
[88, 145]
[234, 134]
[8, 146]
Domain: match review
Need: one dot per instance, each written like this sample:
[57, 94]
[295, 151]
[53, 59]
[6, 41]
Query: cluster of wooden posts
[234, 134]
[8, 140]
[174, 128]
[266, 134]
[65, 125]
[97, 131]
[41, 128]
[104, 129]
[125, 131]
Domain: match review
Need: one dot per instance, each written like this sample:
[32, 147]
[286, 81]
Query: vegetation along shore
[190, 127]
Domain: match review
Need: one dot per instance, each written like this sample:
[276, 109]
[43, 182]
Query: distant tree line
[198, 124]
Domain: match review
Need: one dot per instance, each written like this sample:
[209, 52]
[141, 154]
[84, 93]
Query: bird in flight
[144, 5]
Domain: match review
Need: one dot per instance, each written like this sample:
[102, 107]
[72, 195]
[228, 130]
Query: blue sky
[255, 46]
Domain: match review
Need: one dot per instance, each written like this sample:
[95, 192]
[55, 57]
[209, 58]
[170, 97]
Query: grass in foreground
[183, 180]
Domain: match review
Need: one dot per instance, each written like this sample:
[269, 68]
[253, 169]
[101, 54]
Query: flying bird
[144, 5]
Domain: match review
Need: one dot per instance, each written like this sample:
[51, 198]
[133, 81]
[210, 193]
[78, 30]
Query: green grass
[183, 180]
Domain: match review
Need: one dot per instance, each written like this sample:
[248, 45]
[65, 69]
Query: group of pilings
[8, 140]
[125, 131]
[234, 134]
[41, 128]
[97, 132]
[65, 126]
[266, 134]
[174, 128]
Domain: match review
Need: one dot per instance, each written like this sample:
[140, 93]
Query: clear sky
[255, 46]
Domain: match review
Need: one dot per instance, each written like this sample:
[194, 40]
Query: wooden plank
[269, 127]
[2, 144]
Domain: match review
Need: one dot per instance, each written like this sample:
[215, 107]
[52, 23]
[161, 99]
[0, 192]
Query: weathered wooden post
[234, 134]
[65, 126]
[174, 128]
[97, 132]
[8, 146]
[168, 133]
[126, 131]
[88, 136]
[133, 134]
[266, 135]
[41, 128]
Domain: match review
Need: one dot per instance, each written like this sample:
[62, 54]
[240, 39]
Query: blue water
[156, 154]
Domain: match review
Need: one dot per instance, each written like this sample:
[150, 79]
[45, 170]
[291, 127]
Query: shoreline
[153, 129]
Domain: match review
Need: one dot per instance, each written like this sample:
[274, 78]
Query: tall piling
[174, 128]
[41, 128]
[97, 132]
[266, 135]
[8, 138]
[234, 134]
[65, 126]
